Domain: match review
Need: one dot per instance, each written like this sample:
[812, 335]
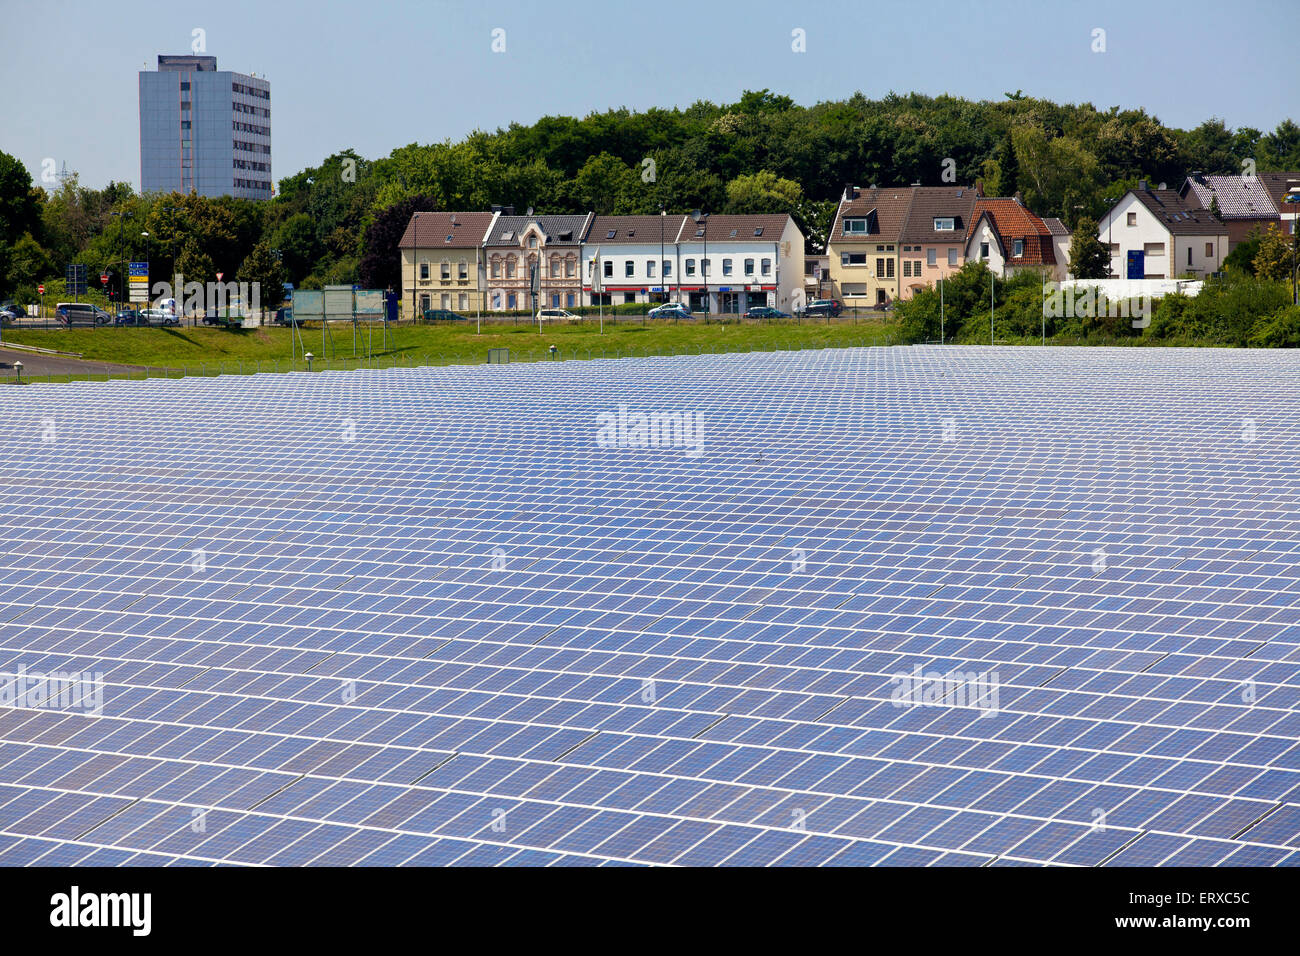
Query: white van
[556, 315]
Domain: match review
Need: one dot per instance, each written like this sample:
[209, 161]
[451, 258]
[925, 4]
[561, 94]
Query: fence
[417, 360]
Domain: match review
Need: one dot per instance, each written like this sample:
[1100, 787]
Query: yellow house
[863, 247]
[442, 262]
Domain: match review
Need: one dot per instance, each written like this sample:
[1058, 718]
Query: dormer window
[944, 224]
[1017, 248]
[532, 242]
[856, 226]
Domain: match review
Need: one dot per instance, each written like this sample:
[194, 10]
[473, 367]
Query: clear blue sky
[383, 73]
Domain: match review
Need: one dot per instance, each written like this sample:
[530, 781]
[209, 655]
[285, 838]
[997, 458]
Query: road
[38, 365]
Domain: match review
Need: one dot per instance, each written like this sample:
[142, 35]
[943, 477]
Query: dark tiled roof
[747, 228]
[1277, 185]
[635, 229]
[559, 230]
[1180, 217]
[428, 229]
[1055, 226]
[938, 202]
[1239, 197]
[888, 207]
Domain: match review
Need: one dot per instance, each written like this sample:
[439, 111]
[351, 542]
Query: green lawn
[210, 349]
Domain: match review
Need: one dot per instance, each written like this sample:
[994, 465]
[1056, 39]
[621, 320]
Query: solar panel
[903, 607]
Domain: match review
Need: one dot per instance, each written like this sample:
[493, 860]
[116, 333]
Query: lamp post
[701, 220]
[415, 228]
[663, 284]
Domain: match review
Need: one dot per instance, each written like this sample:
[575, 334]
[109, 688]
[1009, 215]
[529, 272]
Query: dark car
[443, 315]
[829, 307]
[284, 316]
[129, 317]
[765, 312]
[14, 310]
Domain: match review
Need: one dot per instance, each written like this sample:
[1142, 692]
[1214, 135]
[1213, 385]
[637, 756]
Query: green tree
[263, 271]
[299, 249]
[1089, 258]
[194, 264]
[763, 192]
[1274, 258]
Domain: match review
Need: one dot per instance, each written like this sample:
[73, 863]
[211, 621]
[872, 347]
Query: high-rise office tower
[204, 130]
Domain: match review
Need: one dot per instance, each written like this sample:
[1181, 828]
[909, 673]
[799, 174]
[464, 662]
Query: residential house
[729, 264]
[863, 245]
[1243, 203]
[516, 245]
[1010, 239]
[631, 259]
[1060, 247]
[1284, 190]
[1157, 234]
[816, 277]
[933, 237]
[441, 259]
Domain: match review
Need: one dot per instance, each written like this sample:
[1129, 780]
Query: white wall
[984, 233]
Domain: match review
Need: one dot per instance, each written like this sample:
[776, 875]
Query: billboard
[308, 304]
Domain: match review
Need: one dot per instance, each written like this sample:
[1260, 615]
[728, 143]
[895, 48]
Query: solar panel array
[439, 616]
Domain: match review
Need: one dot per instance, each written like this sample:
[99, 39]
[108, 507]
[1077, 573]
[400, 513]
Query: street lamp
[701, 220]
[415, 228]
[663, 283]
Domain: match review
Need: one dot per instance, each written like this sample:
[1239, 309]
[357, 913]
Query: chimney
[1020, 200]
[979, 188]
[1142, 185]
[530, 210]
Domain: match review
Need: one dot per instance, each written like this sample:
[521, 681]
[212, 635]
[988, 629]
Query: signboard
[308, 304]
[75, 278]
[40, 289]
[370, 304]
[338, 302]
[1137, 267]
[138, 281]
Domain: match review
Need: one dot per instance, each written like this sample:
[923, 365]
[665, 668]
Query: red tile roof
[1011, 220]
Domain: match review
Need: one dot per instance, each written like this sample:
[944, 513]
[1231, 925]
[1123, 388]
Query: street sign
[219, 275]
[103, 277]
[75, 276]
[40, 289]
[139, 281]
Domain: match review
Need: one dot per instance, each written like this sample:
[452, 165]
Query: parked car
[829, 307]
[765, 312]
[284, 315]
[129, 317]
[670, 310]
[443, 315]
[159, 317]
[80, 313]
[555, 315]
[13, 310]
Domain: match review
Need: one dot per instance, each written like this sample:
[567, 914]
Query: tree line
[340, 221]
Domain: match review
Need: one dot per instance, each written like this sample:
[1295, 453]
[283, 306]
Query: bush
[1281, 330]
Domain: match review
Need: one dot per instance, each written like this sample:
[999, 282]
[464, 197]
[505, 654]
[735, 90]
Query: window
[1017, 248]
[511, 301]
[510, 270]
[629, 268]
[424, 270]
[855, 226]
[944, 224]
[1209, 250]
[609, 268]
[496, 268]
[424, 302]
[532, 242]
[850, 259]
[446, 301]
[984, 250]
[496, 300]
[690, 267]
[749, 267]
[726, 267]
[767, 267]
[446, 271]
[932, 258]
[185, 84]
[880, 267]
[555, 300]
[650, 268]
[1189, 255]
[668, 268]
[569, 266]
[907, 267]
[889, 268]
[1132, 219]
[462, 301]
[555, 268]
[706, 266]
[952, 257]
[1153, 249]
[568, 300]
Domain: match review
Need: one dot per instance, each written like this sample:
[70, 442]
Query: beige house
[442, 262]
[863, 246]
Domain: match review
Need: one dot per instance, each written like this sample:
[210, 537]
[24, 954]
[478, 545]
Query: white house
[1157, 234]
[751, 260]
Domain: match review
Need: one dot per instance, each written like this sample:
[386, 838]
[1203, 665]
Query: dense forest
[340, 221]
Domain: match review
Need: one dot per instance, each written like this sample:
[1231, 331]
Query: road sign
[40, 289]
[139, 281]
[219, 275]
[103, 277]
[75, 276]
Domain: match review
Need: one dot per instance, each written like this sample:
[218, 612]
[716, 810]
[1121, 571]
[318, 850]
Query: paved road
[39, 365]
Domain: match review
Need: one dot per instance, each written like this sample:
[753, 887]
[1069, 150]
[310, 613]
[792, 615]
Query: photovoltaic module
[895, 606]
